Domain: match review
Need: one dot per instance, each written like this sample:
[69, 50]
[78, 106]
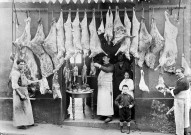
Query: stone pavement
[6, 128]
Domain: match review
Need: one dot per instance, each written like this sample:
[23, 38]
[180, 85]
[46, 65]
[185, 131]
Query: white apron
[105, 94]
[181, 111]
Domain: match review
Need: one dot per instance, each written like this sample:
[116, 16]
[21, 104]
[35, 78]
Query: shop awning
[69, 1]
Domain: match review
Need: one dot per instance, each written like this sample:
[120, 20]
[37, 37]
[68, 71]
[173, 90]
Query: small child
[125, 103]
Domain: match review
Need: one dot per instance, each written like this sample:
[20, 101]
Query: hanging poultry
[84, 74]
[169, 53]
[92, 69]
[135, 32]
[119, 29]
[76, 34]
[85, 37]
[95, 44]
[142, 84]
[161, 87]
[70, 51]
[125, 45]
[60, 36]
[109, 26]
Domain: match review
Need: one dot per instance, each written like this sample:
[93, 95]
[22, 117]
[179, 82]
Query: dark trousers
[125, 114]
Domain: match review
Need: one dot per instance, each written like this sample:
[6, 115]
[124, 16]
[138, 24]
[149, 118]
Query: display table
[82, 95]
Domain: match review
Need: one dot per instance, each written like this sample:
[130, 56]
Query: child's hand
[120, 106]
[130, 106]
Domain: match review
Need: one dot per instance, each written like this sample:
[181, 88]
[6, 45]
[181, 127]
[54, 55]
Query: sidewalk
[6, 128]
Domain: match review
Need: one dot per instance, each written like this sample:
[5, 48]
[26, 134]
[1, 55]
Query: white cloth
[105, 94]
[130, 84]
[181, 111]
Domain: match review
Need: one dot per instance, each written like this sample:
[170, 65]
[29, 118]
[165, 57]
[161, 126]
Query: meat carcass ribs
[24, 39]
[125, 45]
[46, 64]
[135, 32]
[144, 42]
[95, 44]
[169, 53]
[76, 34]
[157, 44]
[185, 65]
[109, 26]
[85, 37]
[60, 36]
[68, 38]
[119, 29]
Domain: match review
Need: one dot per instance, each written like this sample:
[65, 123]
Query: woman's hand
[23, 97]
[120, 106]
[97, 65]
[130, 106]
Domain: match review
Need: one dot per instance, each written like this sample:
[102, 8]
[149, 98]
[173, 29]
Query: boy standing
[125, 103]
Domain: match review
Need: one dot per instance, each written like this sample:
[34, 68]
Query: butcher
[105, 90]
[181, 102]
[22, 109]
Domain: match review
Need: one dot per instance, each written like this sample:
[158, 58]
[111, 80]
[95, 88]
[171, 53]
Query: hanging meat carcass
[135, 32]
[27, 55]
[46, 64]
[169, 53]
[60, 36]
[185, 65]
[85, 37]
[76, 34]
[157, 45]
[144, 42]
[101, 28]
[109, 26]
[92, 69]
[70, 51]
[161, 87]
[142, 84]
[50, 44]
[84, 74]
[95, 44]
[25, 38]
[125, 45]
[119, 29]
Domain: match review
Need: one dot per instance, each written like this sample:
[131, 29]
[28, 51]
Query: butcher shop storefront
[61, 40]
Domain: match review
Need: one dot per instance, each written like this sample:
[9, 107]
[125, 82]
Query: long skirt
[22, 110]
[105, 99]
[181, 111]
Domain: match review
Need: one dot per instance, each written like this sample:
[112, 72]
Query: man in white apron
[105, 90]
[181, 95]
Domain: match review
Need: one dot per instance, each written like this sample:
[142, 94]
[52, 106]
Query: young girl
[125, 102]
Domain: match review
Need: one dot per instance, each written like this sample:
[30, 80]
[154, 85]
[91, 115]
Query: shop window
[77, 60]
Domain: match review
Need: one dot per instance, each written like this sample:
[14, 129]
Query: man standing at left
[22, 110]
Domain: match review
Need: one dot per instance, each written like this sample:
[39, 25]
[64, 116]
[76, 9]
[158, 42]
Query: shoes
[108, 120]
[22, 127]
[34, 124]
[128, 129]
[67, 116]
[121, 129]
[102, 118]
